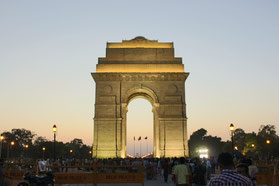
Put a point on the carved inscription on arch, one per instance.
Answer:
(140, 77)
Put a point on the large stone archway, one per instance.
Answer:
(140, 68)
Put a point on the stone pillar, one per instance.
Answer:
(156, 129)
(124, 131)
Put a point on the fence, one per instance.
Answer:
(268, 175)
(87, 174)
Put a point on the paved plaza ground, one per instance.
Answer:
(158, 182)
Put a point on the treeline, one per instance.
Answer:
(22, 143)
(263, 144)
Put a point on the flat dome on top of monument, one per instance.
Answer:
(140, 42)
(139, 38)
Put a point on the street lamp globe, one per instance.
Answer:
(231, 127)
(54, 128)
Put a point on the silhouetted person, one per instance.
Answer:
(1, 172)
(166, 168)
(181, 173)
(242, 168)
(199, 174)
(228, 176)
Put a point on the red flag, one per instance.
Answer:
(145, 137)
(139, 138)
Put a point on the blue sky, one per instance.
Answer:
(49, 48)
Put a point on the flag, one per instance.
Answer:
(134, 138)
(145, 137)
(139, 138)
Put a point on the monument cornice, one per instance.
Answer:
(181, 76)
(123, 61)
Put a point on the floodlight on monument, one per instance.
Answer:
(203, 153)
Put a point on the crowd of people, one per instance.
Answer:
(224, 170)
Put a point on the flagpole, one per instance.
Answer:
(147, 145)
(140, 148)
(134, 146)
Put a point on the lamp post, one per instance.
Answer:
(232, 132)
(1, 138)
(44, 149)
(54, 139)
(12, 144)
(268, 147)
(71, 152)
(26, 147)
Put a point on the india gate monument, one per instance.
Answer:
(140, 68)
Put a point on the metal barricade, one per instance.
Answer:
(96, 174)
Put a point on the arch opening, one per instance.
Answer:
(140, 124)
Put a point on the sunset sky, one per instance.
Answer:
(48, 50)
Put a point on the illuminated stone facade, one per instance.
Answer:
(146, 69)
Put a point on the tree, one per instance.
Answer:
(213, 144)
(239, 139)
(22, 138)
(267, 132)
(199, 140)
(251, 147)
(196, 141)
